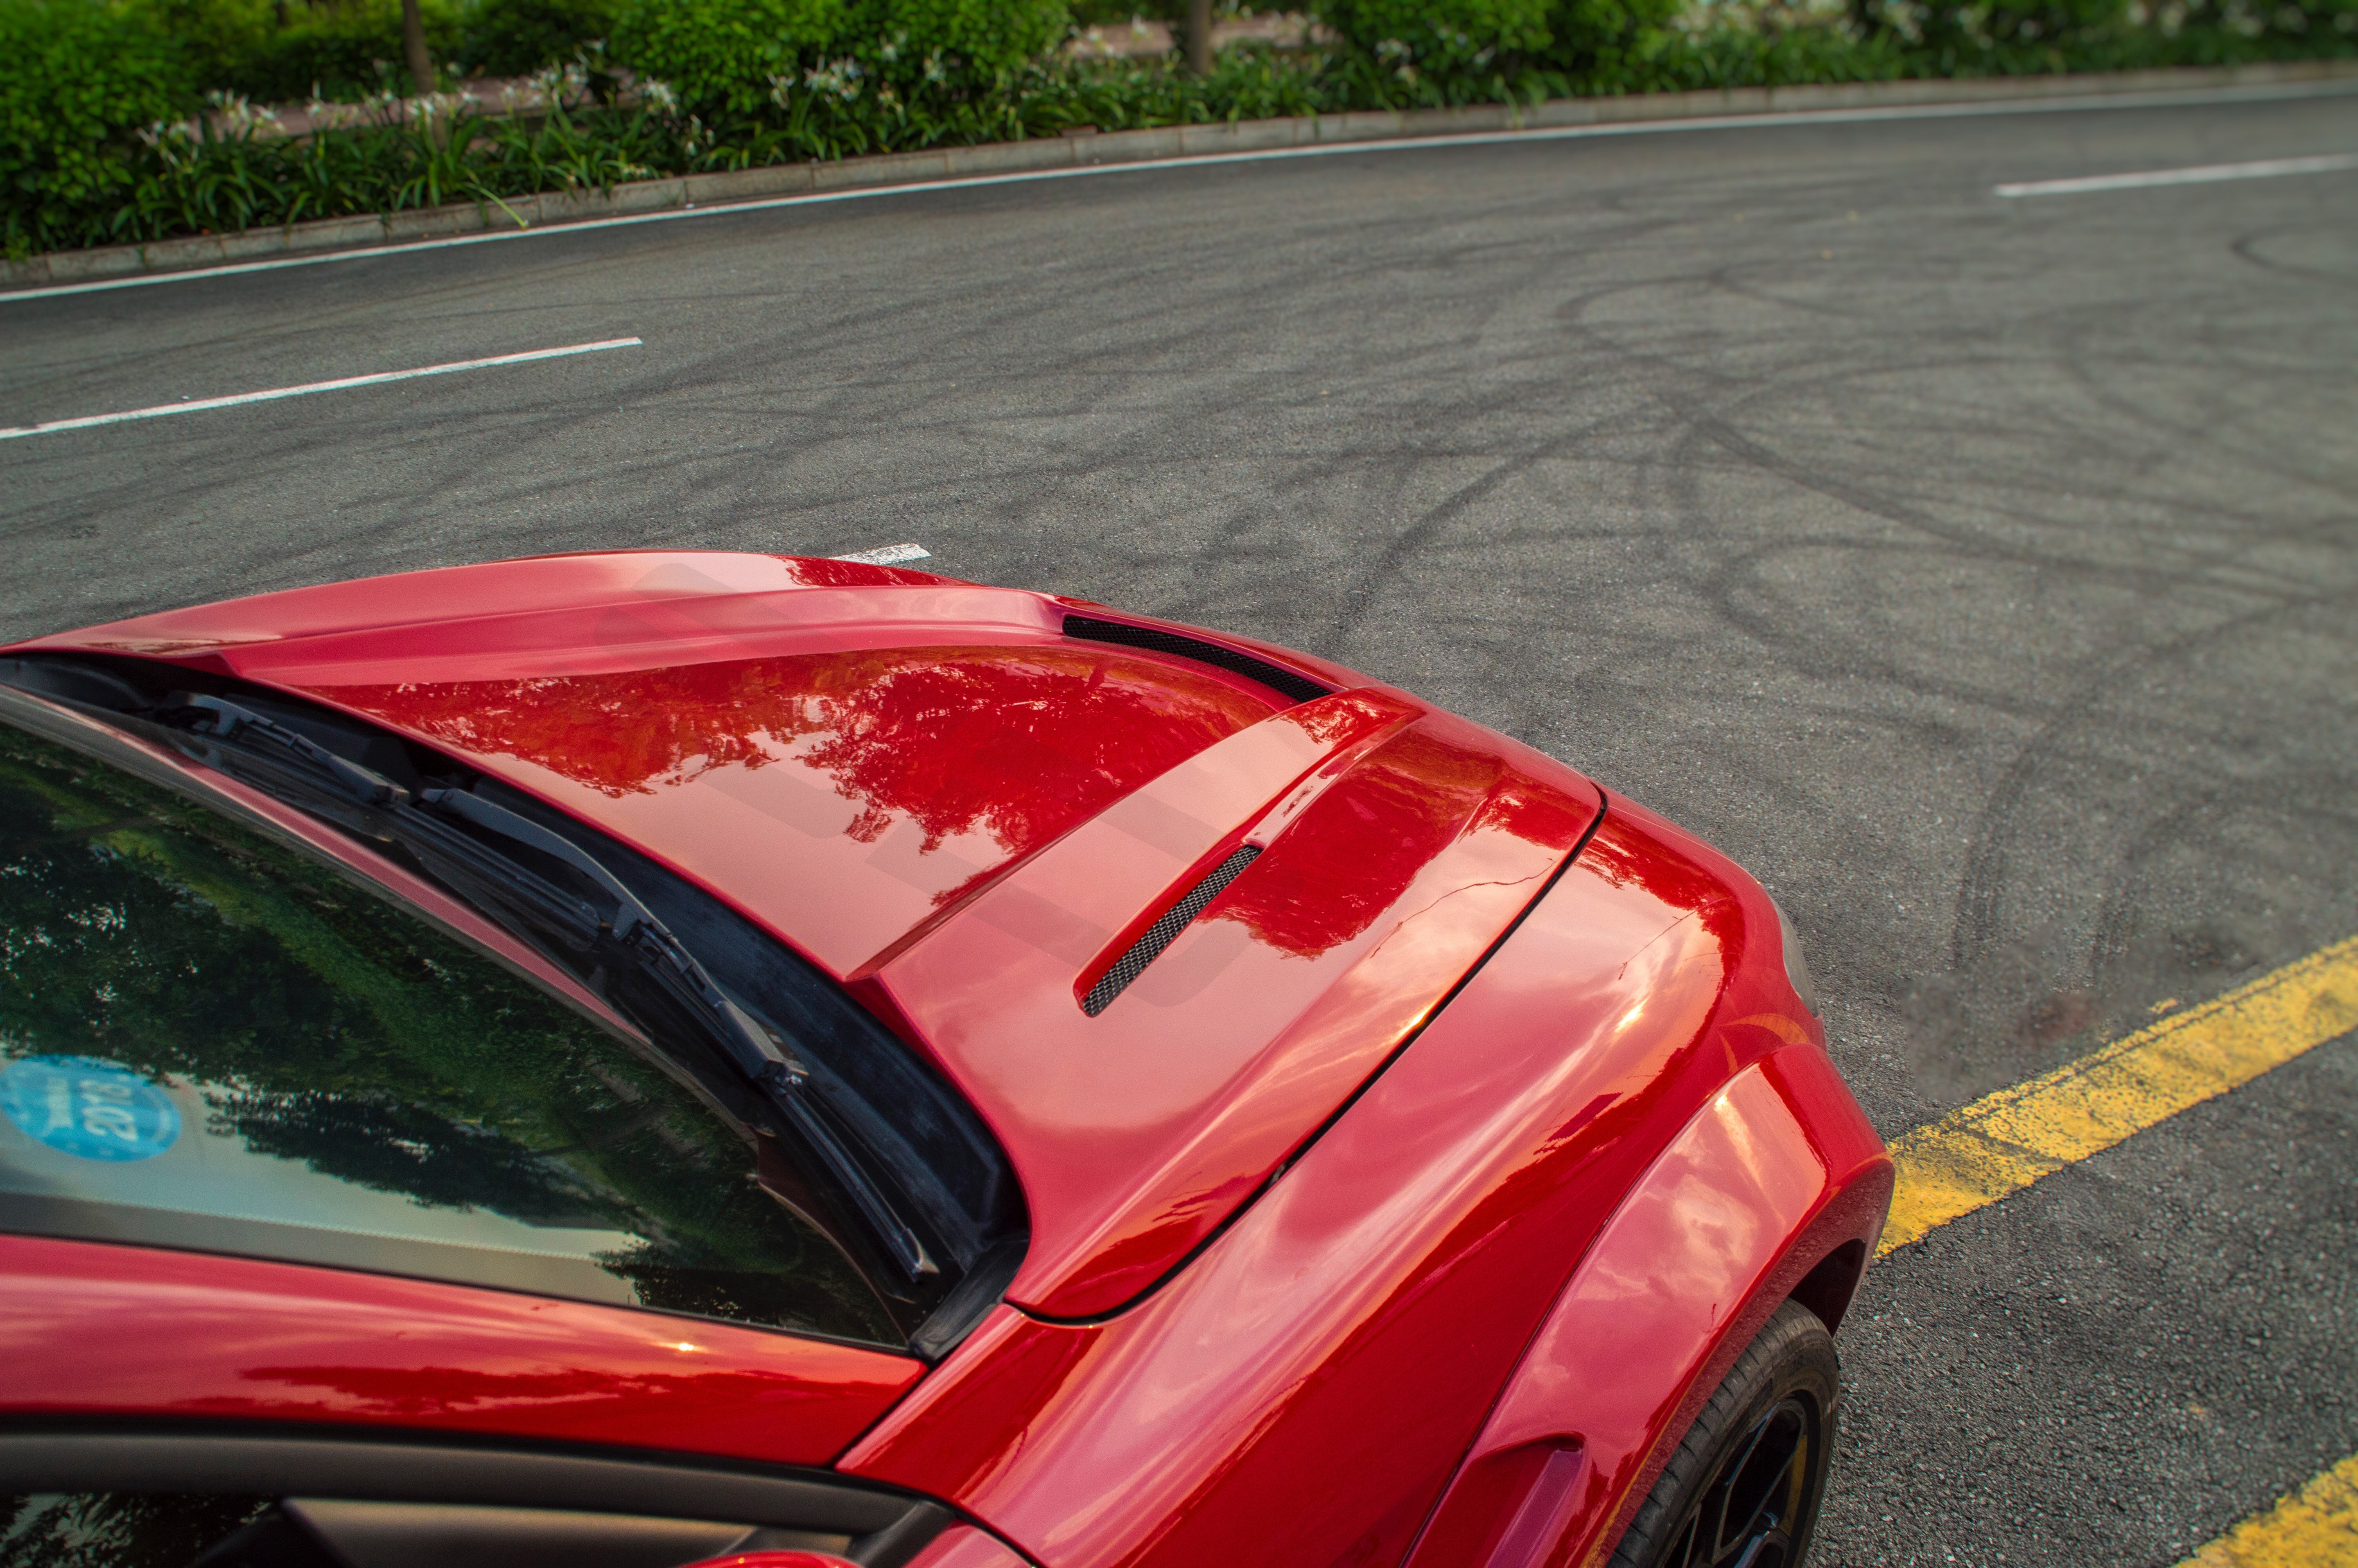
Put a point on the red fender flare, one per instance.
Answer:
(1775, 1189)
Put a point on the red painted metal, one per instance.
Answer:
(1358, 1320)
(1622, 1131)
(92, 1329)
(932, 791)
(1691, 1265)
(1137, 1132)
(776, 1560)
(843, 752)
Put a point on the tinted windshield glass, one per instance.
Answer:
(209, 1040)
(129, 1530)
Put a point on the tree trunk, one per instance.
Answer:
(413, 44)
(1199, 37)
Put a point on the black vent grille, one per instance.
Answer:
(1164, 932)
(1300, 688)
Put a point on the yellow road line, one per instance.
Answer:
(2317, 1526)
(2004, 1142)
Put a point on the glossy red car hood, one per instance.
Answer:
(933, 792)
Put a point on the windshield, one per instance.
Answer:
(211, 1038)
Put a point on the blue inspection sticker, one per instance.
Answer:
(80, 1105)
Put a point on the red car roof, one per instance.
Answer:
(931, 790)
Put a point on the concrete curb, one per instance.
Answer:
(699, 190)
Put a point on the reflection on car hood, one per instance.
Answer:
(933, 792)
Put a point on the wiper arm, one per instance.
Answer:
(627, 927)
(663, 958)
(238, 725)
(242, 743)
(635, 925)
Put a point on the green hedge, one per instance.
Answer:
(340, 47)
(86, 158)
(1450, 38)
(80, 82)
(737, 58)
(516, 38)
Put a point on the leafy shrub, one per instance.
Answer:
(1112, 13)
(218, 41)
(80, 81)
(195, 178)
(969, 41)
(1659, 60)
(752, 57)
(724, 57)
(342, 49)
(1589, 36)
(2016, 36)
(515, 37)
(1441, 38)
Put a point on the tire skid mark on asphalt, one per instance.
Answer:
(2005, 1141)
(2316, 1527)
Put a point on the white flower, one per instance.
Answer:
(840, 79)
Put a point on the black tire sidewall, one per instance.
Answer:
(1791, 1355)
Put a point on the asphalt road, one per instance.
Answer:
(1983, 573)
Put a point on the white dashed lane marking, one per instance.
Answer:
(52, 427)
(885, 555)
(2199, 174)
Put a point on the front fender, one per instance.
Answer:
(1777, 1188)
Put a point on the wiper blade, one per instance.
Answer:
(245, 744)
(238, 725)
(662, 958)
(635, 925)
(625, 929)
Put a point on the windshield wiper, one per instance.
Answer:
(624, 929)
(238, 725)
(248, 745)
(663, 958)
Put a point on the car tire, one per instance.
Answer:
(1743, 1489)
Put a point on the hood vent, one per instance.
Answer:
(1300, 688)
(1164, 932)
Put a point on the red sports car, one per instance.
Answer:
(617, 1061)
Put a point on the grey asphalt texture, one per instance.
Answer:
(1982, 573)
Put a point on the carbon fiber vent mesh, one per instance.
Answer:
(1300, 688)
(1164, 932)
